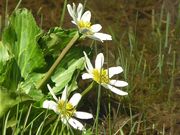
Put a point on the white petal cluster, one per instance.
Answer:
(82, 21)
(103, 76)
(66, 109)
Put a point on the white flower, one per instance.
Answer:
(82, 20)
(102, 76)
(67, 109)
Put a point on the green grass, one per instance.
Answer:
(150, 68)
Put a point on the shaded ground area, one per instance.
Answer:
(120, 17)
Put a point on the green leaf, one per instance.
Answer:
(4, 55)
(63, 77)
(67, 68)
(23, 44)
(4, 58)
(29, 86)
(9, 72)
(9, 99)
(55, 40)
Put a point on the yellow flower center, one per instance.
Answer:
(84, 25)
(66, 109)
(100, 76)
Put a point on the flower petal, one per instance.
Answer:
(52, 92)
(70, 10)
(86, 76)
(102, 36)
(118, 83)
(83, 115)
(75, 99)
(115, 90)
(114, 70)
(76, 124)
(86, 17)
(94, 38)
(79, 11)
(64, 93)
(74, 22)
(50, 105)
(99, 61)
(96, 27)
(88, 63)
(64, 120)
(74, 7)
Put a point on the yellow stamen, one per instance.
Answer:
(100, 76)
(83, 24)
(66, 109)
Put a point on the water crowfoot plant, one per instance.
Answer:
(103, 76)
(52, 59)
(67, 109)
(82, 21)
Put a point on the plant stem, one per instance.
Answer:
(6, 14)
(17, 6)
(5, 123)
(172, 78)
(55, 126)
(63, 13)
(87, 89)
(62, 54)
(109, 115)
(98, 109)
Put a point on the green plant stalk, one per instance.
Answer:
(62, 54)
(47, 131)
(88, 89)
(130, 111)
(40, 128)
(5, 123)
(109, 96)
(98, 105)
(167, 30)
(71, 131)
(144, 69)
(133, 128)
(41, 20)
(62, 129)
(19, 119)
(98, 108)
(161, 16)
(32, 121)
(172, 78)
(63, 13)
(109, 114)
(6, 14)
(17, 115)
(17, 6)
(31, 129)
(26, 119)
(124, 123)
(141, 58)
(0, 26)
(52, 133)
(153, 20)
